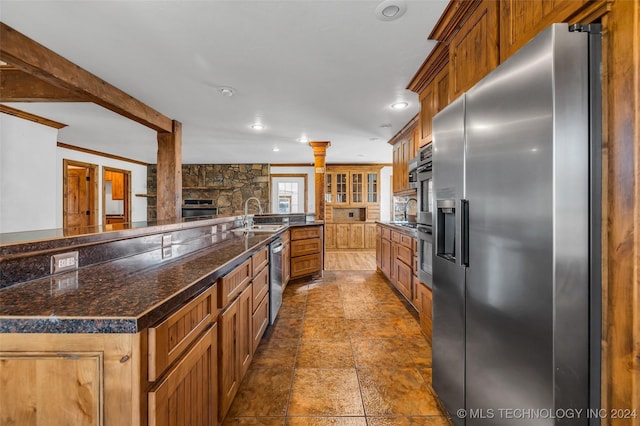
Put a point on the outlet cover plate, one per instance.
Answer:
(64, 262)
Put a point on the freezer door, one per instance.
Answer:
(448, 272)
(527, 188)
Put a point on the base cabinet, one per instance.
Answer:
(306, 250)
(188, 394)
(425, 311)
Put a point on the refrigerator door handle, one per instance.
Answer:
(464, 233)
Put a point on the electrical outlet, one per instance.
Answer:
(214, 239)
(64, 262)
(214, 229)
(167, 252)
(166, 240)
(224, 227)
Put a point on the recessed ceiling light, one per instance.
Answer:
(399, 105)
(276, 149)
(257, 126)
(390, 10)
(226, 91)
(303, 139)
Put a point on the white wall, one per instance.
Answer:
(138, 181)
(385, 193)
(311, 185)
(27, 175)
(31, 177)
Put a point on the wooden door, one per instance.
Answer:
(385, 257)
(426, 114)
(330, 236)
(343, 231)
(404, 277)
(229, 357)
(245, 331)
(370, 236)
(80, 203)
(356, 236)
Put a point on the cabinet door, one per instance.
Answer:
(286, 266)
(385, 259)
(372, 188)
(356, 235)
(370, 236)
(343, 231)
(426, 114)
(357, 187)
(229, 357)
(260, 322)
(330, 236)
(397, 159)
(187, 394)
(342, 188)
(474, 50)
(404, 278)
(329, 196)
(441, 83)
(425, 301)
(379, 252)
(245, 331)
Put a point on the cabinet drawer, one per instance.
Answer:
(305, 247)
(306, 232)
(260, 287)
(386, 233)
(172, 336)
(260, 321)
(260, 260)
(404, 254)
(305, 265)
(233, 283)
(197, 372)
(405, 240)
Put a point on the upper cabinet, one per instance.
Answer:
(405, 147)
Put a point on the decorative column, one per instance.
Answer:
(319, 155)
(169, 185)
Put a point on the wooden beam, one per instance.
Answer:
(319, 158)
(31, 117)
(18, 86)
(35, 59)
(169, 177)
(100, 153)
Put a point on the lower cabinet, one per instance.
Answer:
(236, 347)
(404, 278)
(306, 250)
(186, 393)
(425, 310)
(286, 259)
(260, 321)
(343, 236)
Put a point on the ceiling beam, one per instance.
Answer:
(18, 86)
(31, 117)
(35, 59)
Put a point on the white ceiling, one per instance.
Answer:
(325, 69)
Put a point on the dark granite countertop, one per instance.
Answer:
(403, 227)
(122, 296)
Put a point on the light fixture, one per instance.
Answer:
(276, 149)
(257, 126)
(226, 91)
(303, 139)
(399, 105)
(390, 10)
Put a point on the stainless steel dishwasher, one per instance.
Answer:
(275, 274)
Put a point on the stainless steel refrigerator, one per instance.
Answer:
(516, 254)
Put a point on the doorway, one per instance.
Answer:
(116, 197)
(289, 193)
(79, 199)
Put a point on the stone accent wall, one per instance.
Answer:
(228, 185)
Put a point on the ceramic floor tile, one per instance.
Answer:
(325, 328)
(381, 353)
(276, 353)
(426, 375)
(286, 328)
(374, 328)
(254, 421)
(324, 310)
(420, 351)
(315, 353)
(330, 392)
(407, 327)
(396, 391)
(326, 421)
(408, 421)
(288, 310)
(263, 392)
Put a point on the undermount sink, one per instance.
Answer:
(260, 228)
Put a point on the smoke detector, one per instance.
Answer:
(226, 91)
(390, 10)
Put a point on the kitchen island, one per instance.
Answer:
(134, 339)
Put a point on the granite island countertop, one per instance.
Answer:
(121, 296)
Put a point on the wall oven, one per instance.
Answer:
(425, 186)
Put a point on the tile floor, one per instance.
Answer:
(345, 350)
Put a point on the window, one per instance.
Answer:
(289, 193)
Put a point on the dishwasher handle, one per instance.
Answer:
(277, 248)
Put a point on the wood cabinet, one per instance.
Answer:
(352, 185)
(306, 250)
(370, 236)
(330, 236)
(396, 258)
(425, 309)
(427, 111)
(383, 250)
(286, 259)
(117, 184)
(404, 278)
(405, 146)
(188, 393)
(474, 50)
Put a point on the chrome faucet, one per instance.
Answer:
(406, 208)
(246, 212)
